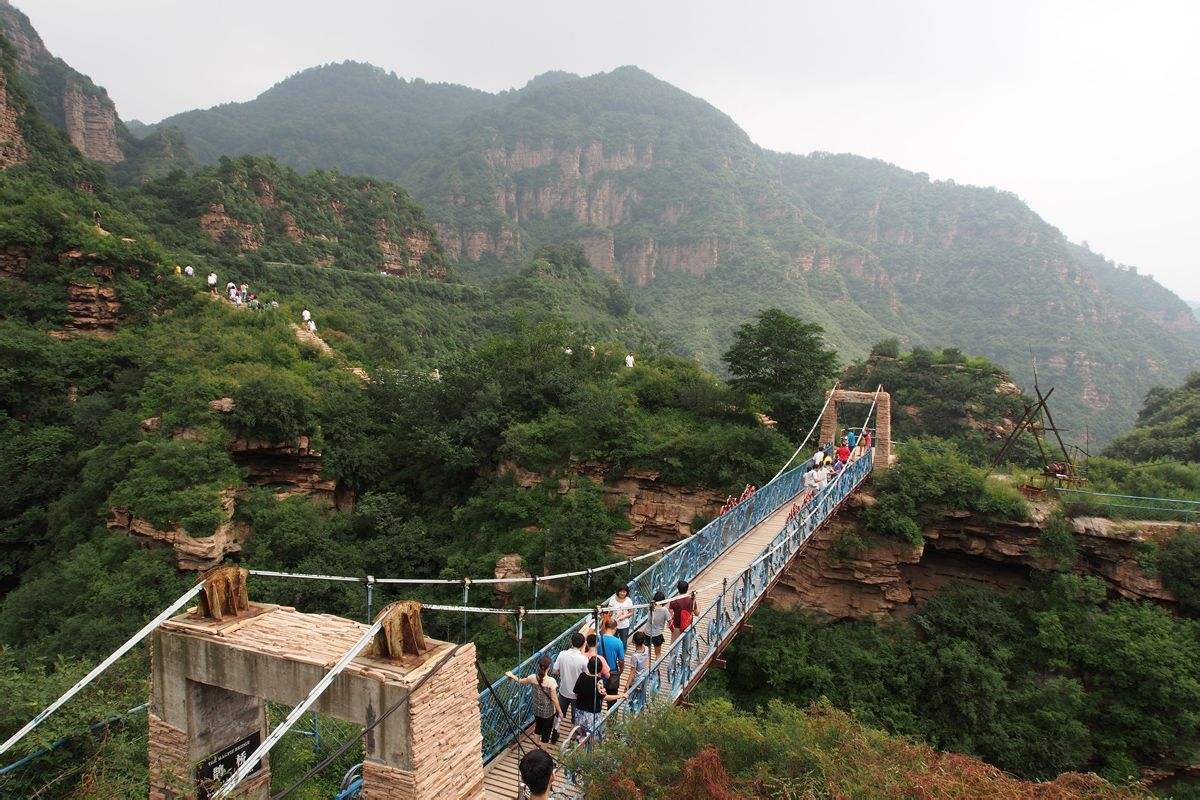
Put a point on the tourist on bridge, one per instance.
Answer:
(546, 707)
(568, 667)
(592, 650)
(612, 650)
(656, 625)
(622, 612)
(682, 608)
(590, 694)
(843, 452)
(812, 479)
(639, 665)
(537, 773)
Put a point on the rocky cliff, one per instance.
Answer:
(191, 553)
(63, 96)
(12, 142)
(659, 513)
(837, 581)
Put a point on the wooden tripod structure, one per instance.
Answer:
(1039, 421)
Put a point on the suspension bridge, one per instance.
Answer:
(213, 667)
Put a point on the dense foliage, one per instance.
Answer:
(715, 752)
(1036, 681)
(947, 394)
(1168, 426)
(783, 361)
(933, 476)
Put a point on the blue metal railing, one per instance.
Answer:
(507, 700)
(686, 658)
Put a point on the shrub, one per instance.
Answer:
(1179, 566)
(278, 408)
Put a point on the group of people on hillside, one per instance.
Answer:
(239, 295)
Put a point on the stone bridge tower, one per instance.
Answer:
(882, 421)
(213, 667)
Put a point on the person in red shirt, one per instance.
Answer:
(682, 608)
(843, 452)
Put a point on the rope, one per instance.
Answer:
(808, 436)
(103, 665)
(266, 573)
(346, 745)
(1129, 496)
(252, 762)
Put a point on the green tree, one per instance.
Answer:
(783, 360)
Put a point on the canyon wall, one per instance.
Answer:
(835, 581)
(12, 143)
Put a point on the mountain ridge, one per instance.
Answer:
(665, 192)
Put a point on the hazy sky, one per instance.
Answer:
(1088, 110)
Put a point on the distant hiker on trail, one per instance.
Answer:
(546, 708)
(537, 773)
(568, 667)
(682, 608)
(629, 360)
(590, 694)
(178, 270)
(312, 326)
(622, 606)
(212, 283)
(656, 625)
(305, 315)
(189, 271)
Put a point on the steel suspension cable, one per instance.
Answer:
(816, 422)
(103, 665)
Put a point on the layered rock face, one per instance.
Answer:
(659, 513)
(12, 143)
(91, 122)
(290, 468)
(221, 227)
(191, 553)
(64, 96)
(893, 577)
(93, 308)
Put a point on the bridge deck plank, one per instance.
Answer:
(501, 778)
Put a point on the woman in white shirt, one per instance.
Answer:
(622, 608)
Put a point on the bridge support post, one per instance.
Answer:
(830, 434)
(211, 675)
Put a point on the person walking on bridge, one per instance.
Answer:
(568, 667)
(656, 625)
(622, 612)
(590, 694)
(546, 707)
(537, 773)
(682, 608)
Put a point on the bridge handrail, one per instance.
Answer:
(682, 563)
(687, 654)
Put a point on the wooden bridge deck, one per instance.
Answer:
(501, 778)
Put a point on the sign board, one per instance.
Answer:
(216, 769)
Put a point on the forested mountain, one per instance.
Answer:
(1167, 427)
(70, 101)
(669, 194)
(350, 116)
